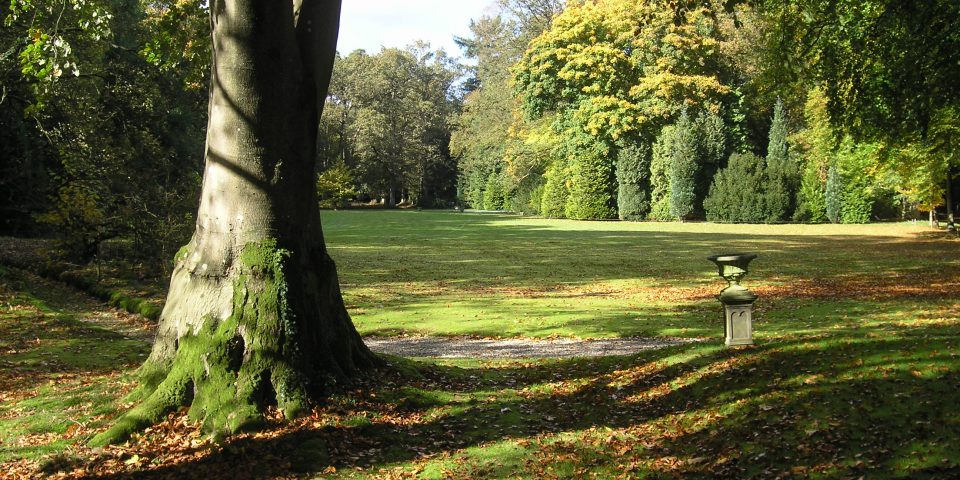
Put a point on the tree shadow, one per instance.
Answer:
(43, 336)
(838, 406)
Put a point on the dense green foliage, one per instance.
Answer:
(335, 186)
(891, 72)
(683, 167)
(816, 143)
(781, 170)
(554, 199)
(712, 151)
(102, 114)
(487, 136)
(615, 72)
(387, 118)
(737, 193)
(98, 143)
(659, 175)
(633, 182)
(493, 193)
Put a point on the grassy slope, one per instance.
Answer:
(856, 371)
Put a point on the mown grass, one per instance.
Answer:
(460, 274)
(60, 374)
(856, 371)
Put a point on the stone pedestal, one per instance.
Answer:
(737, 301)
(738, 328)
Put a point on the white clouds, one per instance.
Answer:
(372, 24)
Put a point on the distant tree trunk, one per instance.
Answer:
(951, 226)
(254, 315)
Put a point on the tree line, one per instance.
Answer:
(816, 111)
(103, 117)
(727, 111)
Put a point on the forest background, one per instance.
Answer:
(817, 111)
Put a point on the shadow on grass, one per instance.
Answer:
(837, 406)
(831, 397)
(512, 317)
(41, 337)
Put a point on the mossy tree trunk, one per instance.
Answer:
(254, 314)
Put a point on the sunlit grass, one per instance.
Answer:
(461, 274)
(856, 371)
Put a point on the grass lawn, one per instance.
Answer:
(856, 372)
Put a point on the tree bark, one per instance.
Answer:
(254, 315)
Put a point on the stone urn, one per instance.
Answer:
(736, 299)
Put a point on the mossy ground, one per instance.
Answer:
(61, 374)
(856, 372)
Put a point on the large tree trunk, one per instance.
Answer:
(254, 315)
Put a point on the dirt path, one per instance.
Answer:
(460, 347)
(61, 297)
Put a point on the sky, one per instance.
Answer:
(372, 24)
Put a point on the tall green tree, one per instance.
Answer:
(488, 135)
(481, 137)
(107, 144)
(554, 199)
(591, 179)
(618, 71)
(816, 143)
(738, 192)
(683, 168)
(713, 148)
(781, 170)
(389, 120)
(834, 194)
(254, 314)
(660, 174)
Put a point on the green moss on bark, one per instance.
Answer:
(230, 369)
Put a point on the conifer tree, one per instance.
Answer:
(834, 194)
(683, 168)
(554, 197)
(493, 193)
(712, 150)
(660, 175)
(633, 179)
(782, 173)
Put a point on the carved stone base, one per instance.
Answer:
(739, 325)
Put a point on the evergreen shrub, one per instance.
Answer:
(493, 193)
(737, 193)
(833, 196)
(659, 175)
(591, 194)
(554, 200)
(683, 168)
(633, 182)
